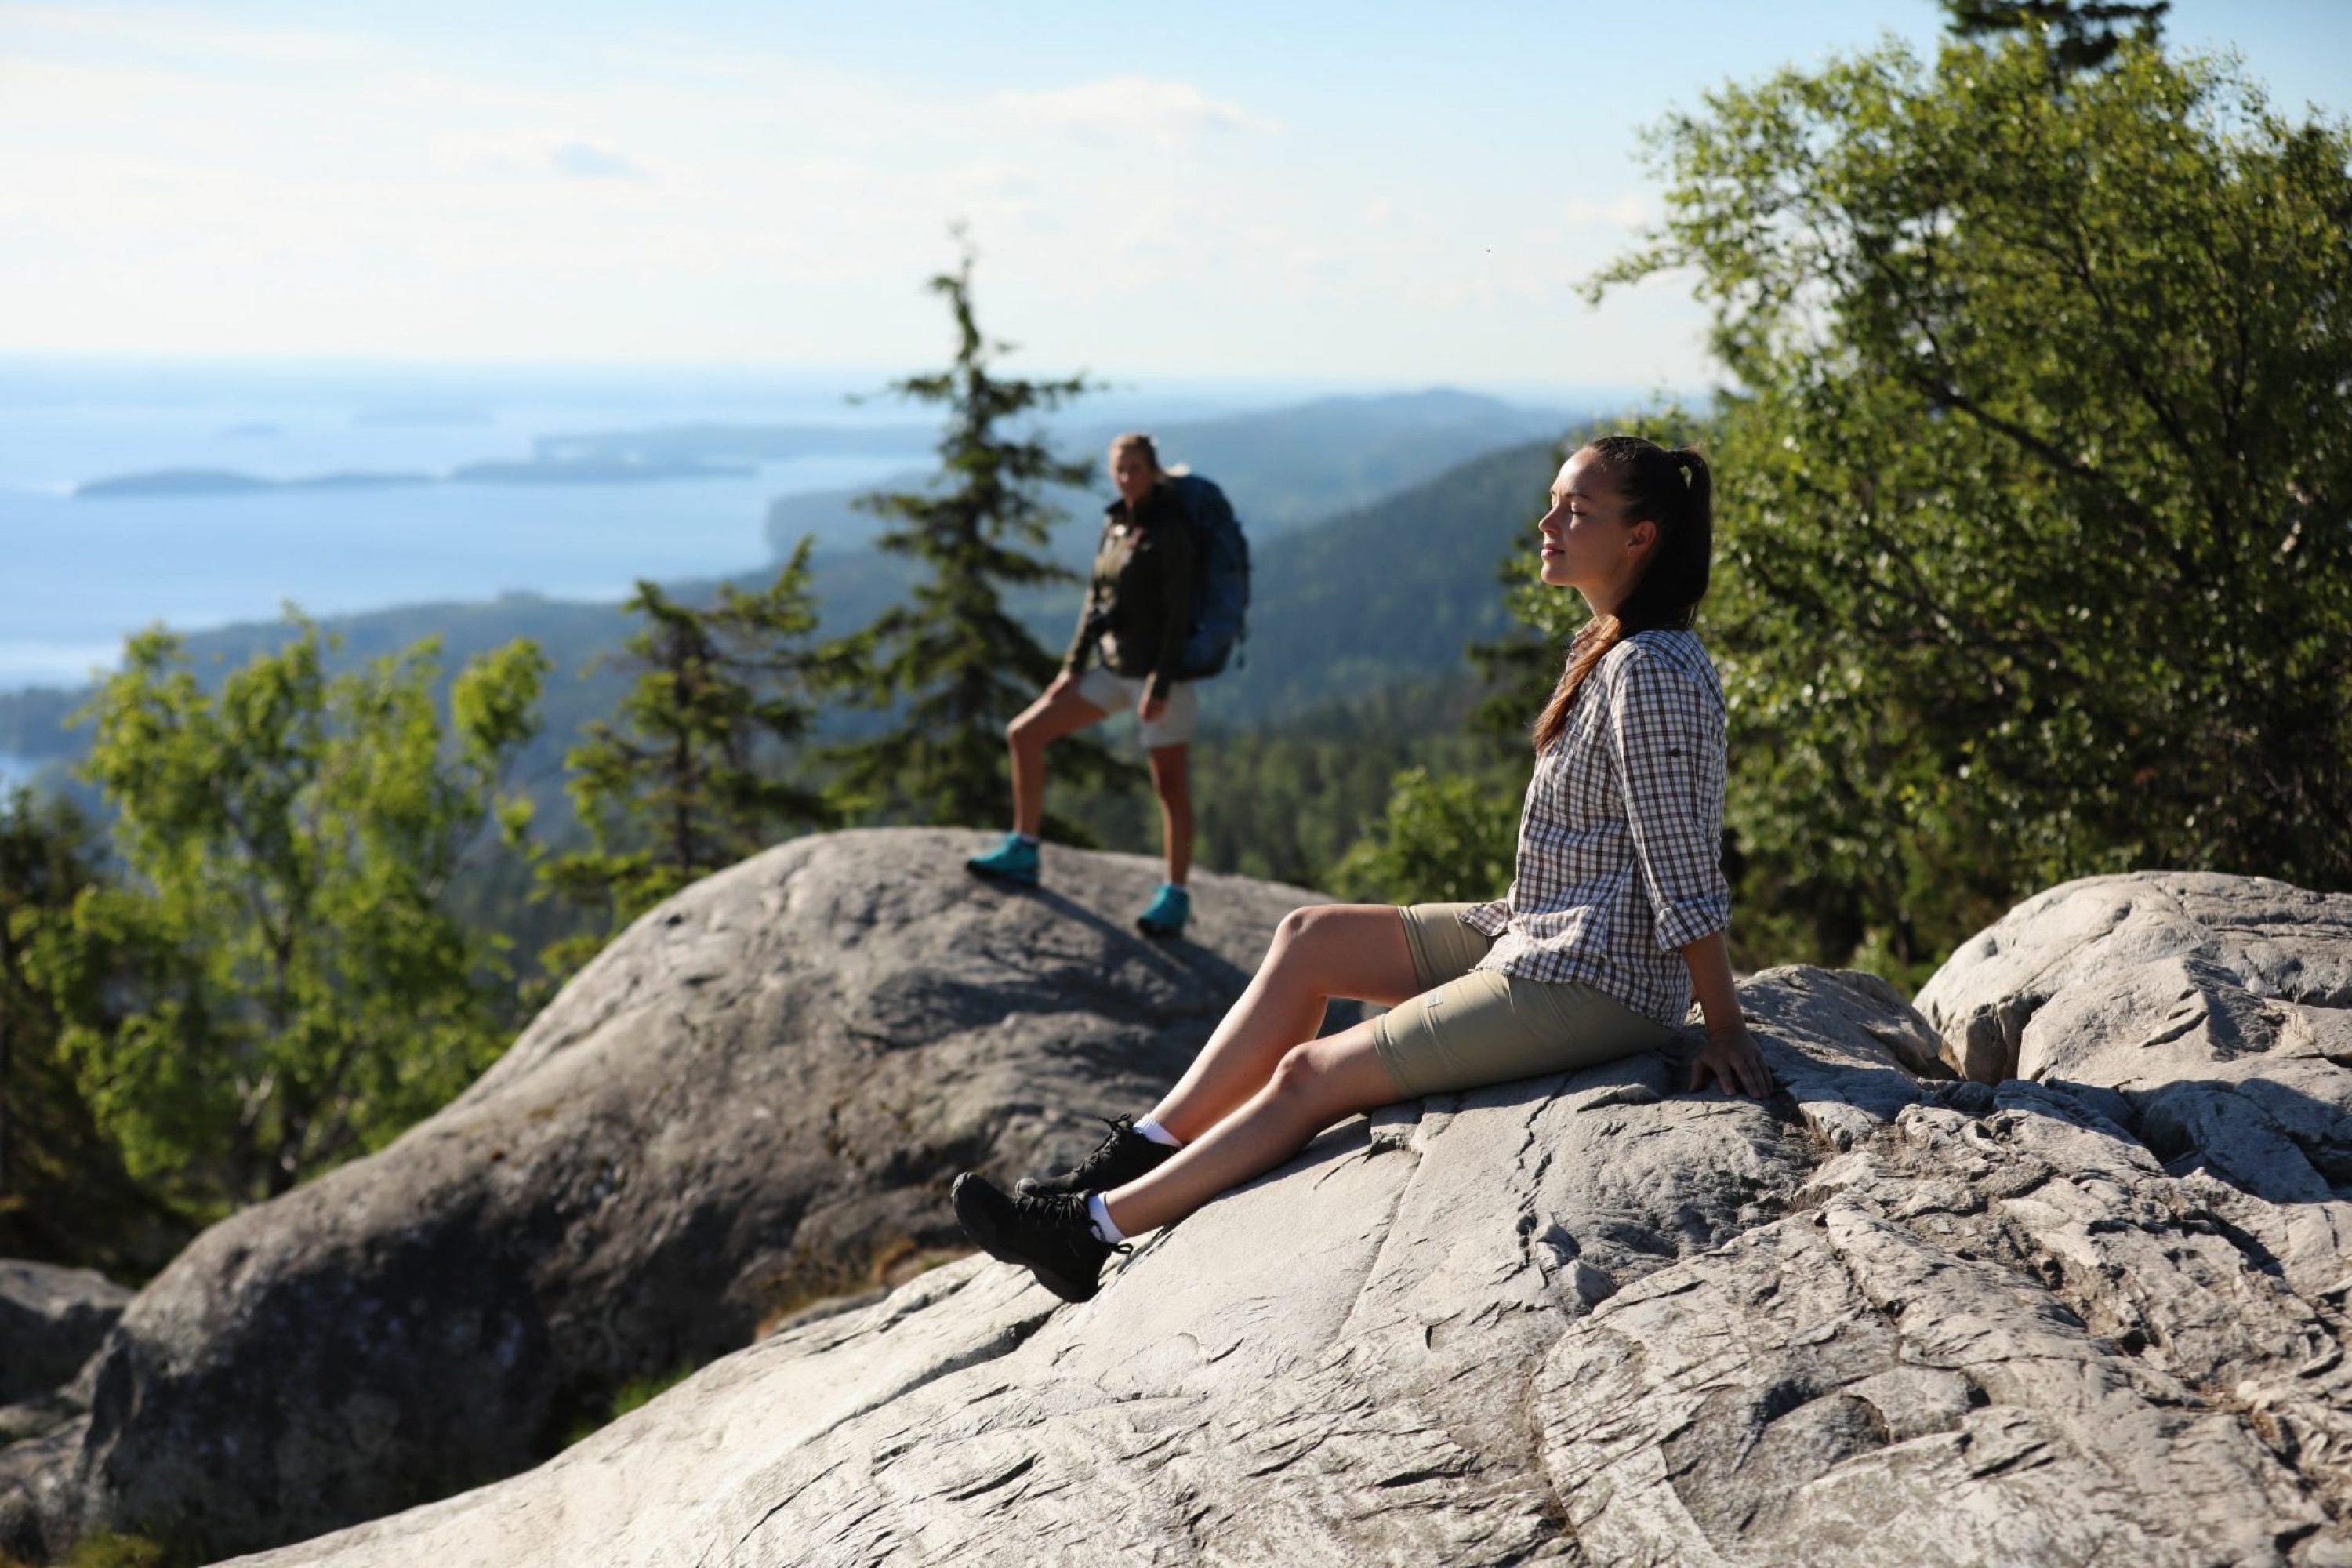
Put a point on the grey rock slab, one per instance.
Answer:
(1864, 1048)
(1836, 1388)
(1334, 1365)
(1880, 1318)
(37, 1495)
(753, 1099)
(2277, 940)
(51, 1321)
(666, 1483)
(2216, 1010)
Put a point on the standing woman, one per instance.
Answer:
(1616, 917)
(1138, 611)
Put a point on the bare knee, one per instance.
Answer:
(1298, 1078)
(1301, 929)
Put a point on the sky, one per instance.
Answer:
(1372, 193)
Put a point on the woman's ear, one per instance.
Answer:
(1642, 535)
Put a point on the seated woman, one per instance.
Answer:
(1616, 916)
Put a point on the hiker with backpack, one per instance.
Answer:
(1162, 612)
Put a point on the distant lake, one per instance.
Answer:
(75, 575)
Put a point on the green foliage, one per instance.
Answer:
(1444, 840)
(2033, 503)
(634, 1395)
(109, 1549)
(64, 1194)
(684, 785)
(1334, 617)
(297, 991)
(2080, 35)
(1285, 802)
(952, 666)
(640, 1392)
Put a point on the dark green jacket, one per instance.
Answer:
(1141, 596)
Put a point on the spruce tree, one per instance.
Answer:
(952, 666)
(689, 780)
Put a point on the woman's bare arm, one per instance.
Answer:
(1731, 1057)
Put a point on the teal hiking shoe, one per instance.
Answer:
(1014, 861)
(1170, 908)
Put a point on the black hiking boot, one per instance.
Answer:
(1050, 1236)
(1117, 1161)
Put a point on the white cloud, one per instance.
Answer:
(1632, 210)
(563, 154)
(590, 160)
(173, 32)
(679, 202)
(992, 177)
(1169, 113)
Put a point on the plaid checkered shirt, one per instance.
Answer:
(1620, 838)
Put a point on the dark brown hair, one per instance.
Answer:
(1673, 490)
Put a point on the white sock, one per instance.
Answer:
(1180, 887)
(1161, 1135)
(1028, 839)
(1098, 1212)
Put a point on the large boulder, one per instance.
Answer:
(1886, 1317)
(754, 1100)
(51, 1321)
(2262, 943)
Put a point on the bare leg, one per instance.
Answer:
(1312, 1086)
(1330, 950)
(1172, 782)
(1059, 712)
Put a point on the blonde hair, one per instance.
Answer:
(1136, 441)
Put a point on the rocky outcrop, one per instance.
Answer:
(2188, 942)
(1884, 1318)
(754, 1099)
(51, 1320)
(2212, 1017)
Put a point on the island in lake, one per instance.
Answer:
(572, 470)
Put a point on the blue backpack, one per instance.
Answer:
(1221, 578)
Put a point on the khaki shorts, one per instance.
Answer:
(1115, 693)
(1470, 1028)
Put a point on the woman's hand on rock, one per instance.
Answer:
(1731, 1059)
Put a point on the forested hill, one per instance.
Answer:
(1285, 468)
(1393, 591)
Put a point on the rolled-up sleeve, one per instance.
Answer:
(1667, 732)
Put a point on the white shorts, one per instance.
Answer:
(1115, 693)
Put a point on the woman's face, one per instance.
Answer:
(1132, 471)
(1587, 543)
